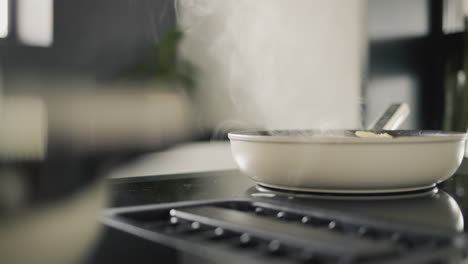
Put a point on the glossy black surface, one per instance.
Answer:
(440, 208)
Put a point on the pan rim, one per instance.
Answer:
(408, 136)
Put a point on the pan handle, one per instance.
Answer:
(392, 118)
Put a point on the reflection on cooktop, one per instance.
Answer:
(265, 191)
(432, 208)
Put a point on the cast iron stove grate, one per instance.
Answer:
(263, 232)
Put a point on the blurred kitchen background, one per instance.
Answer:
(119, 88)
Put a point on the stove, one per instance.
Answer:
(224, 217)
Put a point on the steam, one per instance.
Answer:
(277, 64)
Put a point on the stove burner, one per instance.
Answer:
(262, 232)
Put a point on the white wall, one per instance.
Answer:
(277, 63)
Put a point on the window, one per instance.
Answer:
(4, 18)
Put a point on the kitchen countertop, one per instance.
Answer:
(182, 158)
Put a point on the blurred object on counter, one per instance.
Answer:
(57, 143)
(54, 147)
(121, 120)
(68, 115)
(23, 128)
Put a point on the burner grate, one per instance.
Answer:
(261, 232)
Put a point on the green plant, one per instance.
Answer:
(163, 63)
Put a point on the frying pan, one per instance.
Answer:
(341, 161)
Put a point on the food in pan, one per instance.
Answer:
(369, 134)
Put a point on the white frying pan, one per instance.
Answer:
(348, 161)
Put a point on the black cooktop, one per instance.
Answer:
(225, 217)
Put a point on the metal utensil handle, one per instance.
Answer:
(392, 118)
